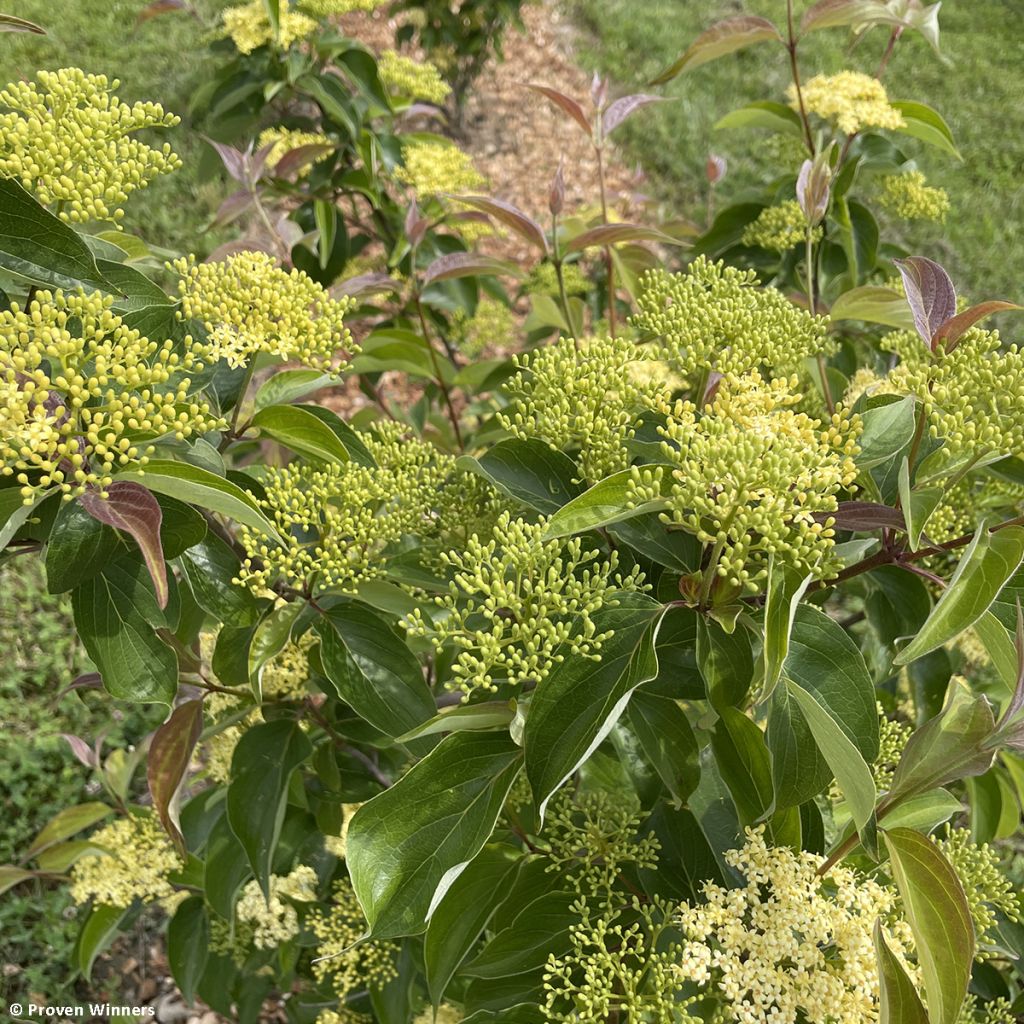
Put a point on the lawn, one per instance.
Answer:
(161, 59)
(978, 93)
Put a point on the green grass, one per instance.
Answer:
(163, 60)
(979, 94)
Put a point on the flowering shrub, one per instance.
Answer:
(665, 671)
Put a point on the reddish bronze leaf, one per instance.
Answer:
(169, 754)
(950, 333)
(930, 293)
(566, 104)
(511, 216)
(723, 37)
(624, 108)
(466, 264)
(611, 234)
(130, 507)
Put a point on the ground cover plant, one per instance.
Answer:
(668, 667)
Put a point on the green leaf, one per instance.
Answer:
(209, 567)
(530, 471)
(579, 702)
(200, 487)
(188, 939)
(949, 746)
(170, 752)
(888, 428)
(270, 639)
(776, 117)
(898, 1001)
(113, 616)
(261, 768)
(824, 661)
(301, 431)
(9, 23)
(288, 385)
(918, 506)
(940, 918)
(463, 914)
(874, 305)
(601, 505)
(78, 548)
(357, 450)
(406, 351)
(407, 846)
(490, 715)
(845, 761)
(989, 561)
(97, 933)
(667, 740)
(68, 822)
(10, 876)
(744, 763)
(14, 513)
(40, 247)
(372, 670)
(785, 589)
(726, 663)
(722, 38)
(927, 125)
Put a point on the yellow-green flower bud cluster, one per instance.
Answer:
(995, 1011)
(70, 141)
(491, 327)
(621, 966)
(908, 197)
(987, 889)
(780, 228)
(753, 477)
(590, 838)
(249, 28)
(412, 78)
(787, 946)
(892, 738)
(325, 8)
(337, 521)
(284, 140)
(138, 859)
(274, 920)
(851, 100)
(973, 396)
(249, 304)
(866, 383)
(81, 393)
(516, 598)
(349, 967)
(543, 280)
(343, 1015)
(582, 397)
(337, 845)
(446, 1014)
(714, 317)
(433, 168)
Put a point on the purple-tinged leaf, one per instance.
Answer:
(233, 207)
(863, 516)
(9, 23)
(258, 160)
(722, 38)
(169, 754)
(837, 13)
(612, 234)
(415, 224)
(372, 283)
(624, 108)
(81, 750)
(86, 681)
(566, 104)
(466, 264)
(236, 162)
(598, 91)
(716, 168)
(302, 156)
(133, 509)
(950, 333)
(511, 216)
(556, 195)
(930, 293)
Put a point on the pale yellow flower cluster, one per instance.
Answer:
(755, 478)
(82, 394)
(274, 920)
(342, 960)
(416, 79)
(433, 168)
(787, 946)
(325, 8)
(284, 140)
(908, 197)
(337, 845)
(516, 597)
(248, 304)
(249, 28)
(780, 228)
(582, 397)
(446, 1014)
(851, 100)
(70, 141)
(138, 860)
(865, 382)
(339, 520)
